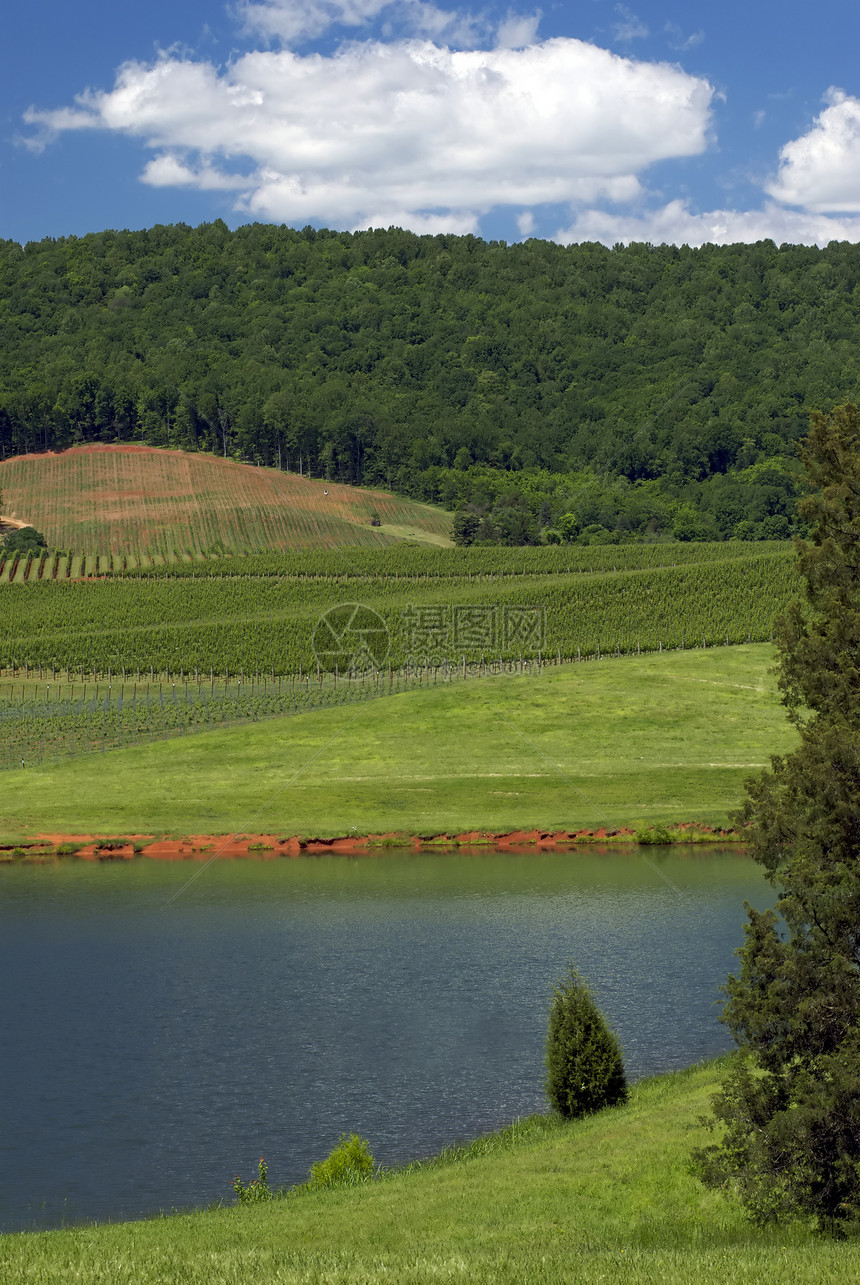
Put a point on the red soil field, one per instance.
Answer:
(131, 498)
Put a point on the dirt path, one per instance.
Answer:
(422, 537)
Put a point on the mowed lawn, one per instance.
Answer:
(620, 742)
(609, 1198)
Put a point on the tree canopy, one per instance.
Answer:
(616, 385)
(23, 540)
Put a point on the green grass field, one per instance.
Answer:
(608, 1198)
(618, 742)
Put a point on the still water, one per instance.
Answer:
(155, 1046)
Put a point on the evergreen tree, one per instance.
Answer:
(465, 525)
(585, 1070)
(790, 1102)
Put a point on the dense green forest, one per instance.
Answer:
(549, 392)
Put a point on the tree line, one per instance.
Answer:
(597, 395)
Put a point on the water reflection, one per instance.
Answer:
(154, 1050)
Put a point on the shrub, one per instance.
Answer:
(585, 1070)
(24, 540)
(256, 1190)
(655, 834)
(350, 1161)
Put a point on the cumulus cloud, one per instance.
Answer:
(675, 224)
(406, 132)
(821, 170)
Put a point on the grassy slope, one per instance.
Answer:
(604, 1199)
(122, 500)
(635, 740)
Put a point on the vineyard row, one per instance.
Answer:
(398, 562)
(38, 727)
(269, 626)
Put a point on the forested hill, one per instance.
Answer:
(637, 390)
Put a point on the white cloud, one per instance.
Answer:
(821, 170)
(526, 223)
(405, 132)
(629, 26)
(50, 124)
(168, 170)
(295, 21)
(518, 30)
(675, 224)
(677, 39)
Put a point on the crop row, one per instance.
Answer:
(398, 562)
(33, 731)
(409, 561)
(52, 565)
(281, 626)
(36, 727)
(160, 501)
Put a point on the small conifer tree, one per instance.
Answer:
(585, 1069)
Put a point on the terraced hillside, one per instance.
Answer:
(144, 502)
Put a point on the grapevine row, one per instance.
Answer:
(399, 561)
(267, 624)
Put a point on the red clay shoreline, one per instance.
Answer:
(203, 847)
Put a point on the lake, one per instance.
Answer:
(156, 1044)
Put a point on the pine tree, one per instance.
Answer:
(790, 1103)
(585, 1070)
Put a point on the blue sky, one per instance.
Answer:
(577, 121)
